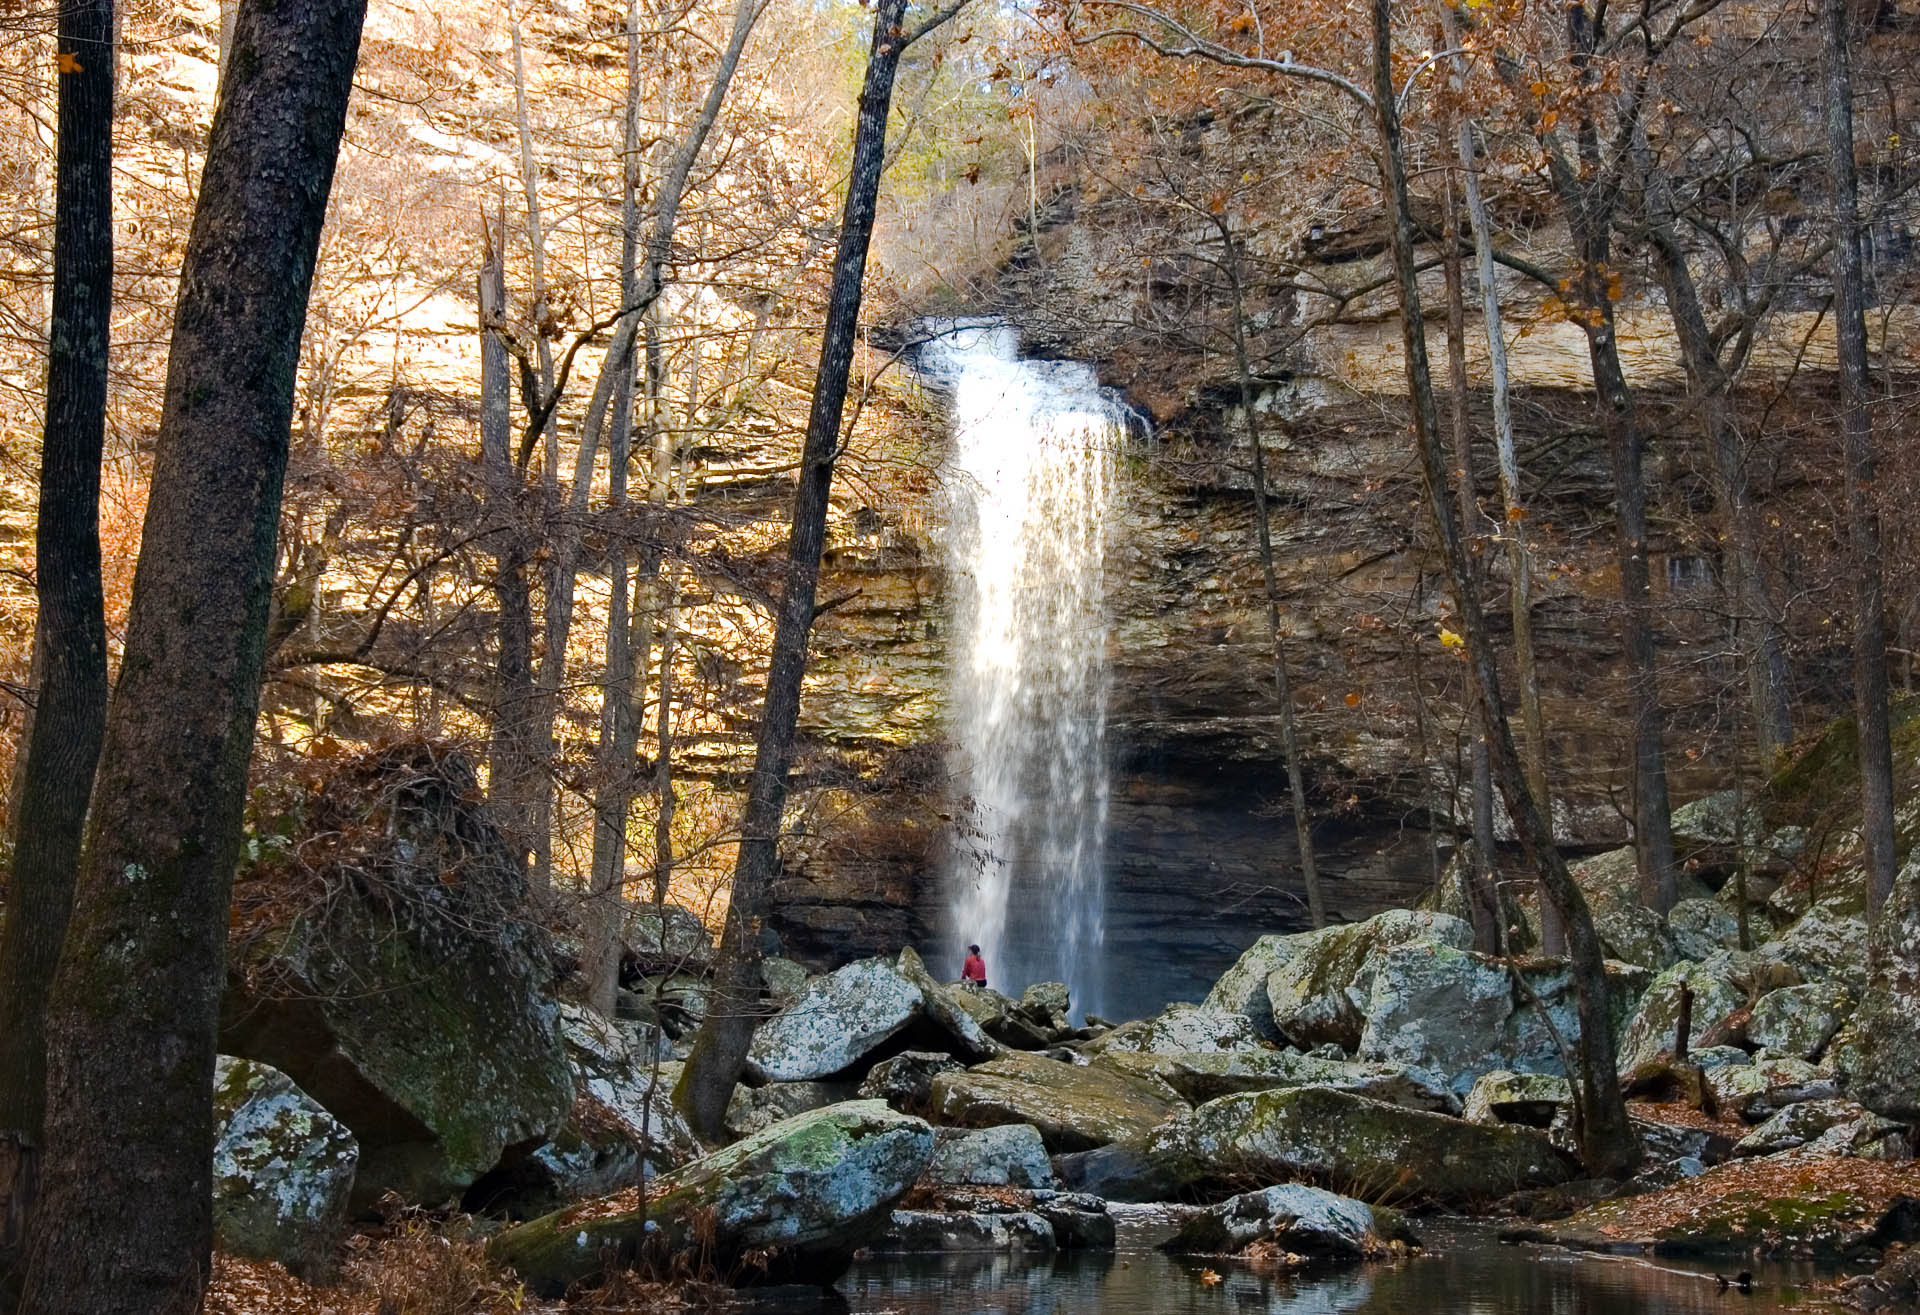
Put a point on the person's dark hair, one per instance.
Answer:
(973, 949)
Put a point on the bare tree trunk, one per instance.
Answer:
(1263, 521)
(125, 1223)
(663, 751)
(1608, 1144)
(720, 1050)
(1856, 425)
(62, 740)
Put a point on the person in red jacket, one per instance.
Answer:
(974, 971)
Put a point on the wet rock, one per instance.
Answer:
(1206, 1075)
(1894, 1286)
(754, 1108)
(1796, 1022)
(906, 1081)
(1179, 1028)
(1755, 1091)
(1701, 928)
(1882, 1064)
(809, 1190)
(1080, 1222)
(1535, 1100)
(843, 1018)
(1298, 1220)
(1011, 1155)
(1796, 1125)
(1331, 1136)
(921, 1231)
(283, 1170)
(1309, 994)
(1242, 989)
(1075, 1107)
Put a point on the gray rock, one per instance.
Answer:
(754, 1108)
(1437, 1008)
(1303, 1221)
(1075, 1107)
(1536, 1100)
(1796, 1125)
(1701, 927)
(1177, 1029)
(1309, 994)
(1717, 820)
(1207, 1075)
(1826, 943)
(810, 1190)
(1869, 1137)
(1798, 1021)
(925, 1231)
(1046, 1006)
(668, 940)
(783, 978)
(1755, 1091)
(1717, 1056)
(1242, 989)
(1080, 1222)
(283, 1170)
(1011, 1155)
(1123, 1171)
(1719, 990)
(838, 1020)
(1882, 1063)
(1634, 933)
(906, 1081)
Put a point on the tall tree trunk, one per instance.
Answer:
(1478, 874)
(720, 1050)
(1608, 1144)
(70, 708)
(1856, 425)
(125, 1222)
(1263, 523)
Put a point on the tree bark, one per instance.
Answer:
(1856, 427)
(62, 740)
(125, 1223)
(719, 1052)
(1608, 1145)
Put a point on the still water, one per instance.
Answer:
(1462, 1271)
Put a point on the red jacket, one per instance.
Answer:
(975, 969)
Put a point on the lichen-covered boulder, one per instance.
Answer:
(1075, 1107)
(1755, 1091)
(1201, 1076)
(839, 1020)
(1634, 933)
(808, 1191)
(753, 1108)
(1536, 1100)
(1700, 928)
(912, 1232)
(1796, 1022)
(782, 979)
(410, 997)
(1011, 1155)
(1242, 989)
(1882, 1063)
(1298, 1220)
(1826, 943)
(1796, 1125)
(1719, 988)
(1331, 1136)
(1436, 1008)
(1046, 1005)
(1310, 994)
(906, 1080)
(1178, 1029)
(283, 1170)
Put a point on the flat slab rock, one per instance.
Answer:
(1074, 1107)
(1795, 1204)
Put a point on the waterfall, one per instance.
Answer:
(1029, 480)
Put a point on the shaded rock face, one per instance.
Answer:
(1883, 1064)
(906, 1081)
(925, 1231)
(811, 1189)
(1011, 1155)
(461, 1067)
(283, 1170)
(1299, 1220)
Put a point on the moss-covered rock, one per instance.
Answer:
(809, 1190)
(1309, 994)
(1353, 1144)
(1075, 1107)
(1535, 1100)
(1797, 1021)
(1827, 942)
(1201, 1076)
(283, 1170)
(1721, 986)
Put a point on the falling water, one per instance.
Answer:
(1029, 481)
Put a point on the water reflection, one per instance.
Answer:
(1463, 1272)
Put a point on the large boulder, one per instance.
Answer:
(283, 1170)
(1634, 933)
(1011, 1155)
(1536, 1100)
(1826, 943)
(1075, 1107)
(1755, 1091)
(1242, 989)
(844, 1018)
(1721, 986)
(1361, 1145)
(1796, 1125)
(1179, 1029)
(807, 1191)
(753, 1108)
(1201, 1076)
(401, 984)
(1298, 1220)
(1797, 1021)
(1310, 993)
(1701, 928)
(666, 940)
(1883, 1062)
(906, 1080)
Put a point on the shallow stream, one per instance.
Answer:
(1462, 1270)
